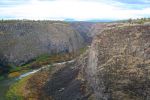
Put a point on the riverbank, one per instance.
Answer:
(21, 81)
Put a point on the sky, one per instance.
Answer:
(80, 10)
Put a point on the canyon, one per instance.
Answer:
(114, 65)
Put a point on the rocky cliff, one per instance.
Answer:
(21, 41)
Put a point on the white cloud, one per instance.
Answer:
(76, 9)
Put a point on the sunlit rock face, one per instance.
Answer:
(91, 72)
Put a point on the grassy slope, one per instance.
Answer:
(124, 63)
(16, 91)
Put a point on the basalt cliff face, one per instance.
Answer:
(21, 41)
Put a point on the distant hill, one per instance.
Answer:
(90, 20)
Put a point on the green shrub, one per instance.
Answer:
(2, 77)
(14, 74)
